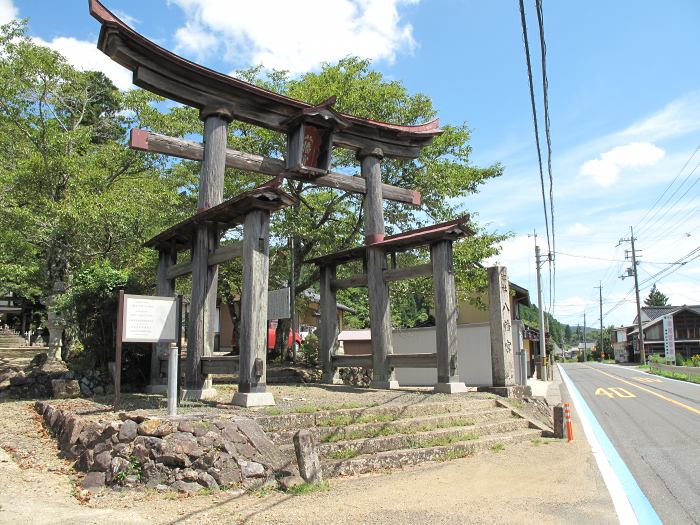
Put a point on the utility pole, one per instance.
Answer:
(585, 340)
(633, 272)
(600, 295)
(542, 365)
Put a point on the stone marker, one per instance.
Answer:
(307, 457)
(559, 431)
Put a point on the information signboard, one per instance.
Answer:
(278, 304)
(149, 319)
(669, 339)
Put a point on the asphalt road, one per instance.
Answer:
(654, 423)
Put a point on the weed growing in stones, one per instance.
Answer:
(306, 488)
(498, 447)
(440, 441)
(454, 454)
(273, 411)
(343, 453)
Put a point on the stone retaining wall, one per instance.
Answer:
(182, 453)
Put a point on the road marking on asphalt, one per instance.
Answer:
(631, 505)
(647, 379)
(614, 391)
(665, 398)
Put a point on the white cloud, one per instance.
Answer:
(605, 170)
(679, 117)
(578, 229)
(126, 18)
(85, 56)
(8, 11)
(296, 36)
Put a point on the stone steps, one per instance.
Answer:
(399, 458)
(348, 416)
(433, 437)
(403, 425)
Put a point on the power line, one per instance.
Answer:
(545, 96)
(523, 23)
(639, 224)
(668, 207)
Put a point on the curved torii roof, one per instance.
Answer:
(167, 74)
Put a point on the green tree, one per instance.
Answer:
(656, 298)
(567, 333)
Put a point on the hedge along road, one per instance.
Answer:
(654, 423)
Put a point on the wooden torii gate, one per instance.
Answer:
(312, 133)
(439, 238)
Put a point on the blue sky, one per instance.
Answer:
(624, 97)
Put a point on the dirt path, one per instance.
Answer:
(543, 482)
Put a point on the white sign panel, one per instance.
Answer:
(669, 340)
(278, 304)
(149, 319)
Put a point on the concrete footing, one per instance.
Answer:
(514, 391)
(385, 385)
(452, 388)
(254, 399)
(198, 394)
(331, 379)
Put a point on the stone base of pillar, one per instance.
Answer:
(515, 391)
(385, 385)
(331, 379)
(253, 399)
(452, 388)
(156, 389)
(198, 394)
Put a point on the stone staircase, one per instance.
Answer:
(11, 340)
(356, 441)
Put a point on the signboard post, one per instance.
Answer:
(149, 319)
(669, 339)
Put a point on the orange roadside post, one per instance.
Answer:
(569, 426)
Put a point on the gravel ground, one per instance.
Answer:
(544, 481)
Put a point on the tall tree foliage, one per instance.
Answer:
(656, 298)
(72, 192)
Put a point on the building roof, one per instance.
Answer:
(451, 230)
(310, 294)
(167, 74)
(656, 314)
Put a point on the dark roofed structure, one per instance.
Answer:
(165, 73)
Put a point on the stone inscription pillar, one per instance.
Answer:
(378, 290)
(502, 365)
(200, 339)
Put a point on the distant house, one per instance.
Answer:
(622, 347)
(686, 328)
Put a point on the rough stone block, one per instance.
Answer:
(65, 388)
(128, 431)
(70, 433)
(251, 469)
(290, 481)
(273, 456)
(186, 487)
(102, 462)
(307, 456)
(155, 427)
(93, 481)
(86, 460)
(208, 481)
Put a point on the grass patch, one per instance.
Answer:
(538, 441)
(441, 441)
(498, 447)
(273, 411)
(264, 491)
(349, 419)
(305, 409)
(343, 453)
(454, 454)
(307, 488)
(676, 375)
(359, 434)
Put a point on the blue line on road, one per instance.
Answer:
(643, 510)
